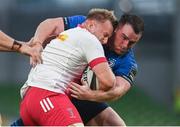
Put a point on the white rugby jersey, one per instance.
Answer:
(64, 60)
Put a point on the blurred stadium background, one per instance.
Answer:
(155, 98)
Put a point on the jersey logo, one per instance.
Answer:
(46, 104)
(111, 62)
(62, 37)
(71, 113)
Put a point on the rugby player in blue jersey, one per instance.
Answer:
(120, 55)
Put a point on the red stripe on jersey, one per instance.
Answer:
(97, 61)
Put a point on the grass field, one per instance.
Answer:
(135, 108)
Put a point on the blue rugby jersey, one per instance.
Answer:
(122, 65)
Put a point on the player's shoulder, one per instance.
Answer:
(127, 67)
(76, 32)
(125, 59)
(123, 64)
(85, 35)
(73, 35)
(82, 36)
(129, 57)
(80, 33)
(129, 54)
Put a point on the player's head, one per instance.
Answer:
(128, 32)
(101, 22)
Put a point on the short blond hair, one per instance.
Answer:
(102, 15)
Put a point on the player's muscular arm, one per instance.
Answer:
(104, 75)
(85, 93)
(48, 28)
(46, 31)
(121, 87)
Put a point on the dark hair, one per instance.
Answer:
(102, 15)
(136, 22)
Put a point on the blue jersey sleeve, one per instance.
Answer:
(124, 66)
(73, 21)
(127, 67)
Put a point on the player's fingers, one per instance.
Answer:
(72, 91)
(75, 96)
(73, 84)
(39, 59)
(33, 62)
(38, 56)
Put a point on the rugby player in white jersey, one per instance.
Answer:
(45, 99)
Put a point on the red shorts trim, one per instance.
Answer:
(46, 108)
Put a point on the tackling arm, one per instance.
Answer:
(45, 32)
(85, 93)
(121, 87)
(48, 28)
(53, 26)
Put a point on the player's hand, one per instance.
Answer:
(36, 58)
(80, 92)
(34, 53)
(37, 49)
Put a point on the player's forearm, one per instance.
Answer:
(100, 96)
(48, 28)
(6, 42)
(4, 49)
(9, 44)
(17, 46)
(103, 96)
(121, 87)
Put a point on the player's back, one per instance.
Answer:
(65, 54)
(64, 60)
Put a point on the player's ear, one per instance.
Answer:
(92, 26)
